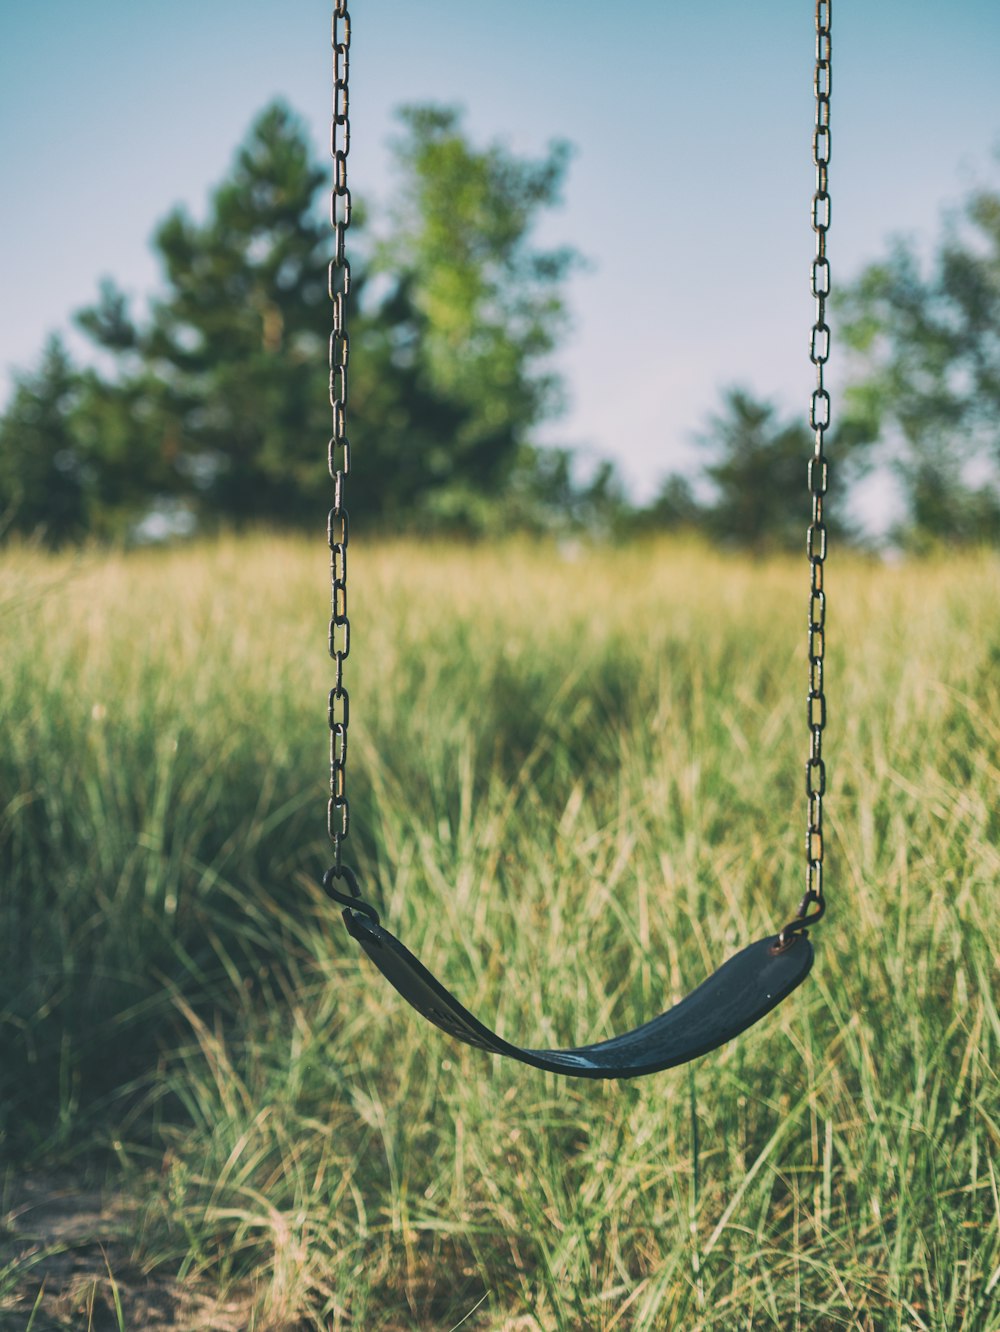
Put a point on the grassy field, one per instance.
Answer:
(576, 785)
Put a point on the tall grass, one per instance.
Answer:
(576, 785)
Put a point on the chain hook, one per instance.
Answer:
(352, 898)
(803, 919)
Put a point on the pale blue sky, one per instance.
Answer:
(689, 190)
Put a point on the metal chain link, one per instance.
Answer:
(813, 903)
(339, 452)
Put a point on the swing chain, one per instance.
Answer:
(813, 903)
(339, 449)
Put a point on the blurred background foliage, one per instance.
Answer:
(205, 410)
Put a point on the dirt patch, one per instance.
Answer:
(68, 1261)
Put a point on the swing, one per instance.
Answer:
(753, 981)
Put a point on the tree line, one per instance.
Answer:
(208, 407)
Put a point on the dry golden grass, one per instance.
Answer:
(576, 785)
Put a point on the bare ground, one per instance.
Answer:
(68, 1261)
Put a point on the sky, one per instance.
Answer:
(688, 192)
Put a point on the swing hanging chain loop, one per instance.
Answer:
(753, 981)
(339, 456)
(813, 903)
(352, 898)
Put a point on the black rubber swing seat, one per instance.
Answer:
(745, 988)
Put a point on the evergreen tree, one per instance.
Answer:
(754, 481)
(44, 473)
(452, 314)
(227, 374)
(758, 475)
(675, 508)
